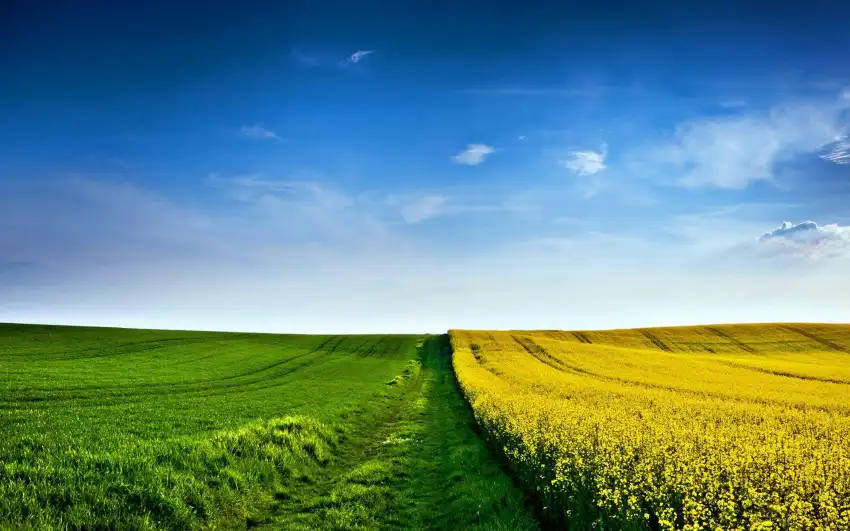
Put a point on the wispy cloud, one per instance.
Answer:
(423, 208)
(303, 58)
(522, 137)
(125, 256)
(356, 57)
(585, 162)
(474, 154)
(259, 132)
(732, 152)
(326, 59)
(253, 185)
(838, 151)
(523, 91)
(304, 206)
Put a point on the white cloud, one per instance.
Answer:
(730, 240)
(732, 152)
(259, 132)
(522, 137)
(838, 151)
(474, 154)
(807, 240)
(793, 231)
(423, 208)
(356, 57)
(585, 162)
(790, 249)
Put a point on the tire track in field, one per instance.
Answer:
(202, 388)
(480, 360)
(399, 347)
(785, 374)
(117, 349)
(277, 376)
(342, 339)
(54, 389)
(558, 335)
(120, 349)
(268, 382)
(271, 378)
(267, 367)
(358, 347)
(143, 397)
(582, 337)
(655, 340)
(211, 380)
(542, 355)
(373, 347)
(281, 380)
(720, 333)
(825, 342)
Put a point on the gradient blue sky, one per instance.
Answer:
(399, 166)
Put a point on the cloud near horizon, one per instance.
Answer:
(296, 245)
(808, 240)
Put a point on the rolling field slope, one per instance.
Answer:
(135, 429)
(712, 427)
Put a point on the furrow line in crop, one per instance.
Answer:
(825, 342)
(655, 341)
(724, 335)
(582, 337)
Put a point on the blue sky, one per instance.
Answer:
(308, 166)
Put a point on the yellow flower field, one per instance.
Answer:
(732, 427)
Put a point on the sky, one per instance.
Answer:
(329, 167)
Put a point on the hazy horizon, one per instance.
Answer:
(300, 168)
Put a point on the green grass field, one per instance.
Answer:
(134, 429)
